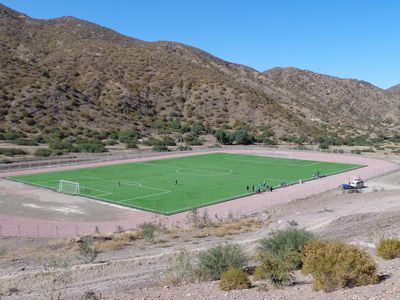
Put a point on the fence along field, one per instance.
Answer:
(173, 185)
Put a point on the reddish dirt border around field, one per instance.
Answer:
(14, 225)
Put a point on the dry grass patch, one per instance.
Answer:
(110, 245)
(235, 227)
(388, 248)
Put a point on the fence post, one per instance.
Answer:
(57, 231)
(19, 231)
(76, 231)
(1, 232)
(37, 230)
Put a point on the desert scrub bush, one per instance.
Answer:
(278, 270)
(218, 259)
(388, 248)
(334, 265)
(131, 145)
(286, 244)
(25, 142)
(182, 269)
(42, 152)
(183, 148)
(234, 279)
(87, 253)
(11, 152)
(147, 231)
(160, 148)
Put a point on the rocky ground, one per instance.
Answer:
(43, 269)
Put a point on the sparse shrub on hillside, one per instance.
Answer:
(192, 140)
(218, 259)
(147, 230)
(336, 265)
(183, 148)
(12, 152)
(87, 253)
(58, 144)
(168, 141)
(182, 269)
(234, 279)
(93, 146)
(323, 146)
(242, 137)
(152, 142)
(42, 152)
(111, 142)
(160, 148)
(284, 244)
(25, 142)
(11, 135)
(128, 135)
(131, 145)
(388, 248)
(279, 270)
(223, 137)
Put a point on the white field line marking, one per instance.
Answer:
(182, 167)
(132, 183)
(271, 163)
(135, 184)
(179, 171)
(141, 197)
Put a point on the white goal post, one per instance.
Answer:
(68, 187)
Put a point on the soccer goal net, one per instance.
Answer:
(68, 187)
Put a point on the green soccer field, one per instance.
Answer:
(201, 179)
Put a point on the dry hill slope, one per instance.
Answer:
(331, 98)
(394, 90)
(68, 72)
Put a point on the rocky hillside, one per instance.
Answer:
(394, 90)
(333, 99)
(67, 72)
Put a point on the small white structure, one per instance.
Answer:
(357, 183)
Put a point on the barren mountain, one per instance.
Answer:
(70, 72)
(336, 99)
(394, 90)
(67, 72)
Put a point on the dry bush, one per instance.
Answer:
(388, 248)
(218, 259)
(286, 245)
(277, 270)
(130, 235)
(182, 269)
(336, 265)
(234, 279)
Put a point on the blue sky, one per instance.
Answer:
(354, 38)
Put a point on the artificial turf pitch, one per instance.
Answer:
(201, 179)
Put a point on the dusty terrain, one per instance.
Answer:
(132, 272)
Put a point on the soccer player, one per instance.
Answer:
(248, 188)
(119, 183)
(176, 181)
